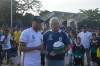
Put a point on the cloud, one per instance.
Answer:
(70, 5)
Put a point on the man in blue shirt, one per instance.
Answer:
(49, 38)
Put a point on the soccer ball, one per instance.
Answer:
(58, 46)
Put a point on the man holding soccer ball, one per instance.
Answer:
(50, 37)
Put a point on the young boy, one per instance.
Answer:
(93, 49)
(70, 54)
(14, 53)
(78, 52)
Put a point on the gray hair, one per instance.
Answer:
(53, 18)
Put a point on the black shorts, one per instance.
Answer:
(78, 61)
(93, 56)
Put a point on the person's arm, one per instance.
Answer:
(23, 48)
(44, 52)
(67, 44)
(83, 50)
(23, 41)
(3, 38)
(73, 50)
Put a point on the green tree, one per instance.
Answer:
(43, 12)
(19, 7)
(93, 19)
(26, 19)
(30, 5)
(5, 11)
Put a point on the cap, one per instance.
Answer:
(37, 19)
(84, 26)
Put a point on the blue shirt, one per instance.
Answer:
(0, 34)
(0, 38)
(50, 38)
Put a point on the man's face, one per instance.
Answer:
(36, 25)
(98, 32)
(55, 25)
(84, 29)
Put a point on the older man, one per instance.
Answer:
(49, 38)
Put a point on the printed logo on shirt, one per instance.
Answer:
(50, 37)
(60, 38)
(33, 37)
(80, 47)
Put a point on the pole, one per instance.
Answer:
(11, 13)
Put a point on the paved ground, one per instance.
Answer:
(4, 62)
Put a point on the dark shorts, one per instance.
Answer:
(78, 61)
(93, 56)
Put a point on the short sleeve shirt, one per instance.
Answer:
(50, 38)
(32, 39)
(7, 44)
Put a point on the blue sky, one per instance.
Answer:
(70, 5)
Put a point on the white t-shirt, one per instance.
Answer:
(85, 38)
(7, 44)
(32, 39)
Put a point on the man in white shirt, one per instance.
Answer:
(31, 44)
(6, 46)
(85, 41)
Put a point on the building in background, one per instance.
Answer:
(71, 19)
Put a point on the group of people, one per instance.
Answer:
(82, 43)
(9, 42)
(76, 45)
(36, 46)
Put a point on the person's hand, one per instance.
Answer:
(79, 57)
(52, 53)
(76, 56)
(40, 47)
(61, 52)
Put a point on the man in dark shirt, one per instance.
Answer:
(49, 38)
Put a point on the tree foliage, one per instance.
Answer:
(27, 19)
(30, 5)
(43, 12)
(19, 7)
(93, 19)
